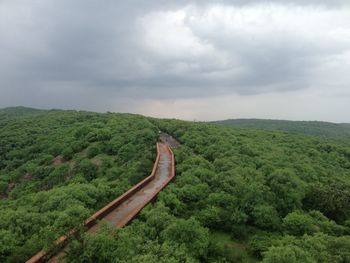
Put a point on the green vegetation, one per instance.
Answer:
(239, 195)
(264, 189)
(58, 167)
(315, 128)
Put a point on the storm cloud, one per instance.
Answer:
(187, 59)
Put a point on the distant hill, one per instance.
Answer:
(19, 111)
(10, 113)
(318, 128)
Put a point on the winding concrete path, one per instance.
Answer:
(120, 215)
(126, 207)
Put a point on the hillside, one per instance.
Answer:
(20, 110)
(239, 195)
(58, 167)
(317, 128)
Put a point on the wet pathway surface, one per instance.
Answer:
(121, 214)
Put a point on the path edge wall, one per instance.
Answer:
(42, 255)
(137, 211)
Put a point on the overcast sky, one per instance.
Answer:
(200, 60)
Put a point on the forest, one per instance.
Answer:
(339, 131)
(239, 195)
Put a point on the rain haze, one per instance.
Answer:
(203, 60)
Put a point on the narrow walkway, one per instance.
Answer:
(129, 208)
(119, 216)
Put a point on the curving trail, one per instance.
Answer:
(122, 210)
(120, 216)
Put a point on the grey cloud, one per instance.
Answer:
(84, 53)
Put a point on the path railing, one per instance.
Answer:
(43, 255)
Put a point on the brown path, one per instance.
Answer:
(119, 216)
(123, 213)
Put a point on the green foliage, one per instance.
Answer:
(297, 223)
(87, 169)
(278, 197)
(318, 128)
(288, 190)
(97, 248)
(332, 200)
(57, 176)
(223, 249)
(92, 151)
(287, 254)
(261, 242)
(190, 234)
(68, 153)
(261, 187)
(47, 183)
(266, 217)
(315, 248)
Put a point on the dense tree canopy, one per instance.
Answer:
(239, 195)
(315, 128)
(57, 169)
